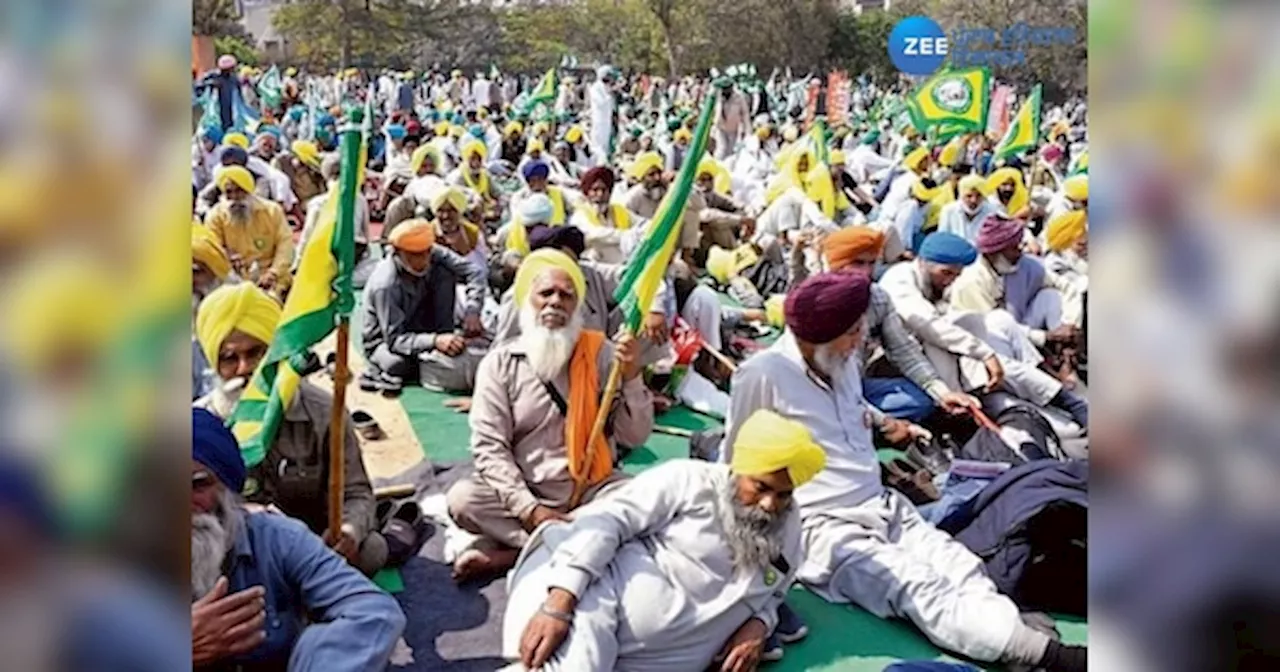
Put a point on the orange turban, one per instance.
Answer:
(414, 235)
(842, 247)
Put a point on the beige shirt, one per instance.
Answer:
(517, 430)
(978, 289)
(906, 284)
(638, 201)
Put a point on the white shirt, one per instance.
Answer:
(791, 211)
(953, 219)
(836, 414)
(864, 163)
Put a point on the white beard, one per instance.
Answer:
(1003, 266)
(829, 362)
(548, 350)
(212, 536)
(752, 534)
(226, 395)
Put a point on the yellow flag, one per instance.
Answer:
(957, 98)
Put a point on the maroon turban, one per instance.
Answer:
(827, 305)
(999, 232)
(597, 174)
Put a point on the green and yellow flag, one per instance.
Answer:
(545, 93)
(1079, 165)
(956, 98)
(1024, 131)
(648, 265)
(321, 296)
(821, 189)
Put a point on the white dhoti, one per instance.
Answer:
(885, 558)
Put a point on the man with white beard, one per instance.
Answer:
(865, 544)
(964, 217)
(684, 566)
(266, 592)
(532, 413)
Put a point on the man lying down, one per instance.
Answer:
(682, 567)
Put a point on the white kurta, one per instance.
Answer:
(602, 104)
(654, 577)
(865, 544)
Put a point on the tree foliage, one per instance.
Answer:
(243, 51)
(372, 33)
(216, 18)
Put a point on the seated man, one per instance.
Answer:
(534, 407)
(266, 593)
(1004, 277)
(252, 230)
(856, 249)
(210, 268)
(605, 225)
(472, 175)
(978, 352)
(535, 174)
(453, 232)
(684, 566)
(865, 544)
(235, 325)
(723, 218)
(963, 216)
(410, 329)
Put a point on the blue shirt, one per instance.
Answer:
(350, 624)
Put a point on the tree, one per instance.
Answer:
(217, 18)
(665, 13)
(372, 33)
(245, 54)
(859, 45)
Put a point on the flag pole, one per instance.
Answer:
(344, 237)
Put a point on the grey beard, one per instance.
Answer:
(1003, 266)
(212, 537)
(828, 361)
(239, 212)
(753, 535)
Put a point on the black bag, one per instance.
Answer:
(1035, 439)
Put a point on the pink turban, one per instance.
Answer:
(827, 305)
(998, 233)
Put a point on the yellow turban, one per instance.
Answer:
(708, 166)
(720, 264)
(237, 175)
(535, 145)
(451, 195)
(236, 140)
(240, 307)
(683, 134)
(1020, 195)
(442, 129)
(307, 152)
(414, 235)
(541, 128)
(1076, 188)
(790, 133)
(950, 154)
(970, 183)
(542, 260)
(60, 306)
(762, 132)
(207, 251)
(836, 158)
(473, 148)
(573, 135)
(456, 131)
(916, 158)
(775, 311)
(920, 191)
(642, 164)
(768, 442)
(420, 156)
(1065, 229)
(514, 128)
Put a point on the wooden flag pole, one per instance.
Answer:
(719, 356)
(337, 431)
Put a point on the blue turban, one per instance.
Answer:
(477, 131)
(273, 130)
(325, 120)
(535, 169)
(212, 134)
(941, 247)
(22, 494)
(214, 446)
(296, 112)
(396, 131)
(234, 156)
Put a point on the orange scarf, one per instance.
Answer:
(592, 464)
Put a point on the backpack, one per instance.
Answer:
(1030, 528)
(1025, 436)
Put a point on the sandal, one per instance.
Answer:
(403, 532)
(367, 427)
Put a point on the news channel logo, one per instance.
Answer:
(919, 46)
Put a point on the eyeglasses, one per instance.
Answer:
(202, 480)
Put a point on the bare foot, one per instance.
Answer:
(478, 564)
(460, 404)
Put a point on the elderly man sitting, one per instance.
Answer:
(252, 230)
(410, 329)
(606, 225)
(979, 352)
(865, 544)
(685, 565)
(536, 174)
(235, 325)
(1006, 278)
(266, 593)
(963, 217)
(534, 406)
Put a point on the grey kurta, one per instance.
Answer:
(517, 441)
(653, 573)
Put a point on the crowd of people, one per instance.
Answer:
(849, 283)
